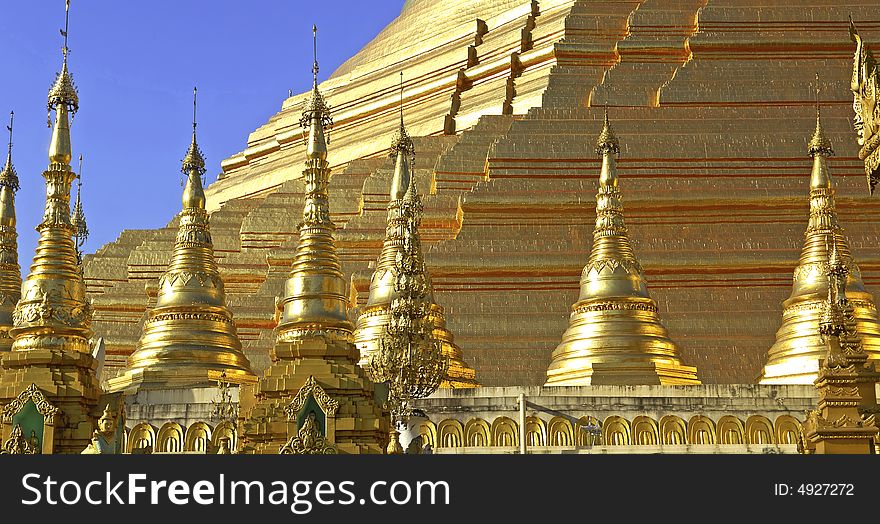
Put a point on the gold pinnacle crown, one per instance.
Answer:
(8, 176)
(819, 143)
(194, 160)
(63, 90)
(607, 139)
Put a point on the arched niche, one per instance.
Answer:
(585, 437)
(701, 430)
(759, 430)
(644, 430)
(225, 430)
(673, 431)
(536, 432)
(788, 430)
(142, 438)
(170, 438)
(560, 432)
(198, 436)
(450, 434)
(477, 433)
(616, 431)
(428, 431)
(504, 432)
(730, 431)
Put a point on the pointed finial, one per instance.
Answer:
(401, 99)
(63, 91)
(8, 176)
(65, 50)
(315, 68)
(194, 160)
(78, 217)
(819, 143)
(607, 142)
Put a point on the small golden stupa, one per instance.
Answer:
(314, 344)
(794, 357)
(10, 271)
(615, 335)
(189, 337)
(374, 317)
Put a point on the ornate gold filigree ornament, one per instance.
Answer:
(409, 359)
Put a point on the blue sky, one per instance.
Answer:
(135, 64)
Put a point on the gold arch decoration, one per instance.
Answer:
(582, 436)
(560, 432)
(730, 431)
(38, 421)
(141, 438)
(616, 431)
(673, 431)
(536, 432)
(170, 438)
(701, 430)
(759, 430)
(198, 436)
(428, 431)
(224, 430)
(788, 430)
(644, 430)
(504, 432)
(450, 434)
(477, 433)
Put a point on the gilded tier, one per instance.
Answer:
(10, 271)
(794, 357)
(376, 314)
(614, 335)
(189, 337)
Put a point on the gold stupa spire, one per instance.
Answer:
(53, 312)
(10, 271)
(375, 316)
(78, 216)
(315, 297)
(794, 357)
(189, 337)
(313, 348)
(615, 335)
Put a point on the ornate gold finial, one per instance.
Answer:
(615, 335)
(607, 140)
(403, 152)
(78, 216)
(865, 86)
(819, 143)
(316, 119)
(194, 160)
(8, 176)
(63, 90)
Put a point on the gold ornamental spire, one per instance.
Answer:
(78, 216)
(794, 357)
(53, 312)
(615, 335)
(189, 337)
(315, 299)
(10, 272)
(374, 318)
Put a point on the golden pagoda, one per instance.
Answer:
(376, 314)
(314, 359)
(794, 357)
(189, 338)
(51, 353)
(615, 335)
(10, 272)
